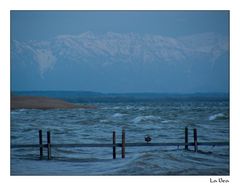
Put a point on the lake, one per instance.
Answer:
(163, 119)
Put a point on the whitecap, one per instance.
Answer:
(23, 110)
(118, 115)
(103, 121)
(141, 108)
(19, 111)
(216, 116)
(167, 121)
(129, 107)
(145, 118)
(15, 112)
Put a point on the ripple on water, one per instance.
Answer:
(164, 122)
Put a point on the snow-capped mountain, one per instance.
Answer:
(120, 53)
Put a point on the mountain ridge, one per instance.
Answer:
(122, 62)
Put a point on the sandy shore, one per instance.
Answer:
(35, 102)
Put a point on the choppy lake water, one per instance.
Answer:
(163, 121)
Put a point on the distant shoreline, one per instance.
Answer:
(99, 97)
(41, 102)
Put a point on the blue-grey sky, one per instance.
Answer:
(120, 51)
(41, 25)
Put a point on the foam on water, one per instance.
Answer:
(168, 121)
(23, 110)
(15, 112)
(19, 111)
(128, 107)
(103, 121)
(141, 108)
(146, 118)
(118, 115)
(217, 116)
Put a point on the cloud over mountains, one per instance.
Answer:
(110, 48)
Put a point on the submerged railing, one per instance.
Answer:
(114, 145)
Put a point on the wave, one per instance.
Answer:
(168, 121)
(15, 112)
(217, 116)
(19, 111)
(118, 115)
(146, 118)
(142, 108)
(104, 121)
(128, 107)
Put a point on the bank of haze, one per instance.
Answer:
(40, 102)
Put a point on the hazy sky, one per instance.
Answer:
(196, 39)
(42, 25)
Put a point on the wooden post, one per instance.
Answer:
(186, 138)
(40, 143)
(123, 143)
(49, 144)
(114, 145)
(195, 140)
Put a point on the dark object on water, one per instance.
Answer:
(148, 138)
